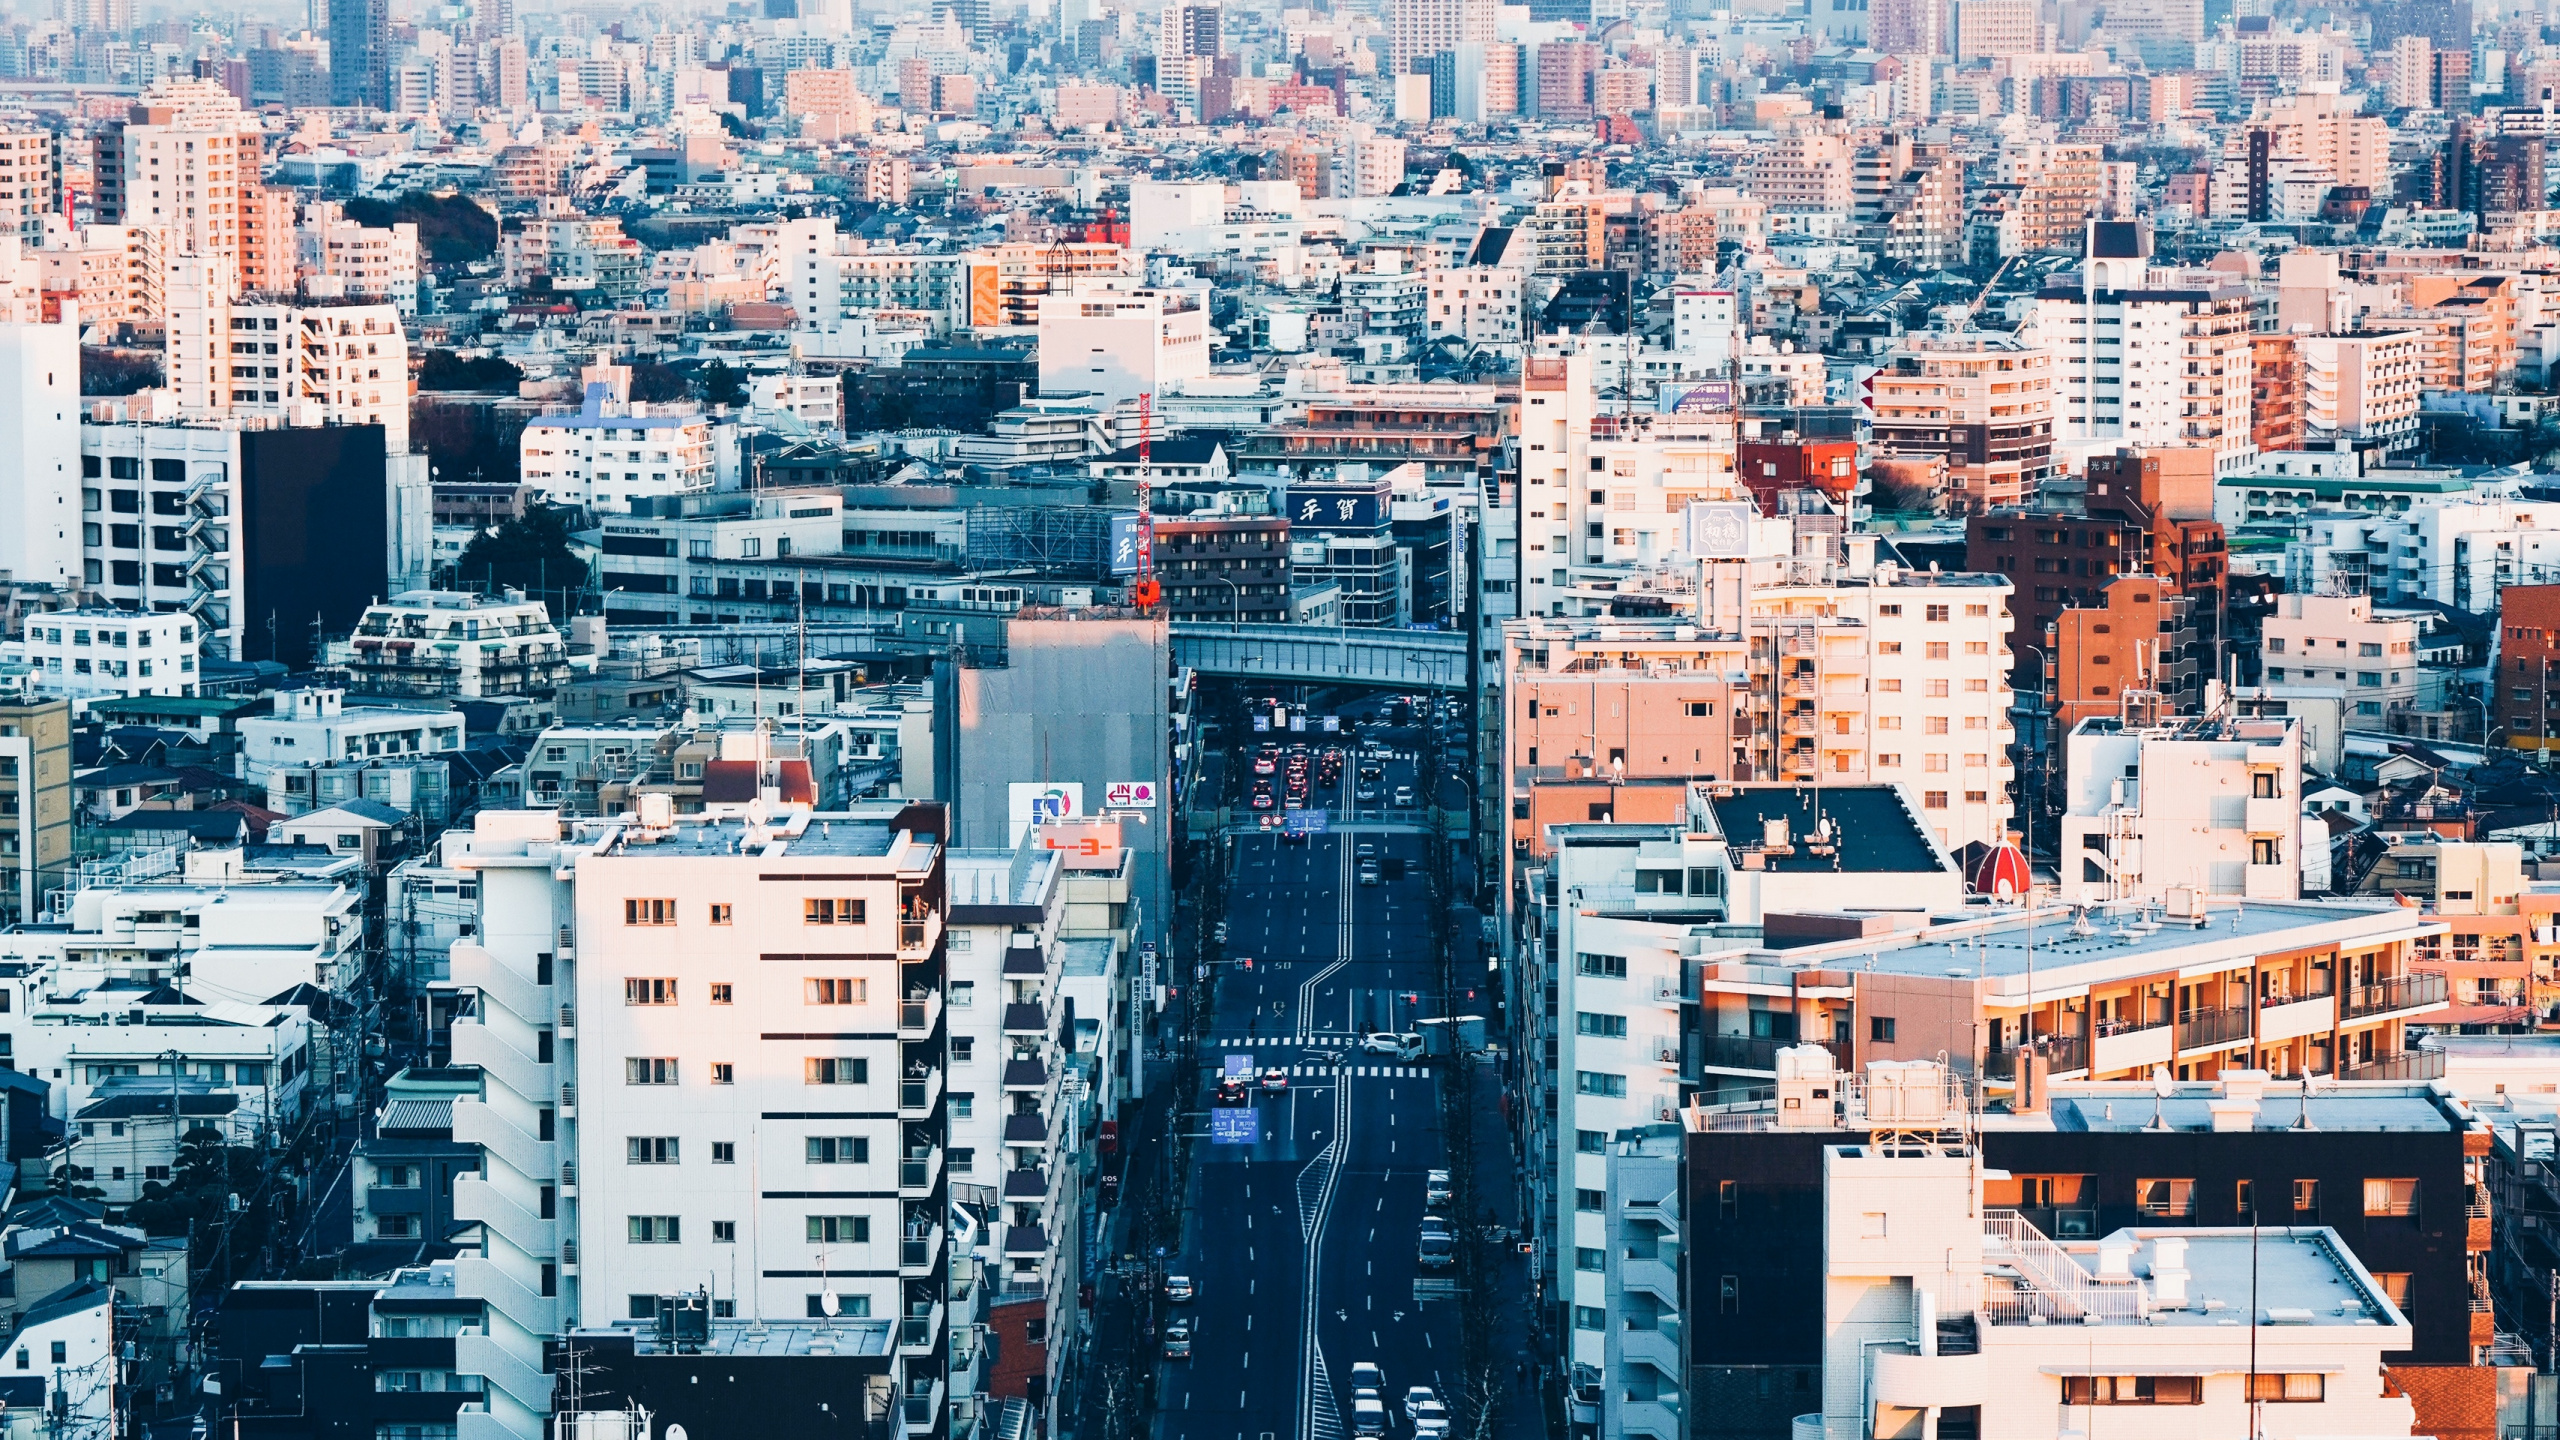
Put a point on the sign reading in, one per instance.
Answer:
(1129, 795)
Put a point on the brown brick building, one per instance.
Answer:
(2275, 393)
(2140, 635)
(2525, 696)
(1231, 568)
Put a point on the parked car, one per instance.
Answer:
(1177, 1289)
(1435, 1189)
(1177, 1340)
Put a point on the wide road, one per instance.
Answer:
(1336, 1167)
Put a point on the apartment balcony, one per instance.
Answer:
(1926, 1381)
(2398, 995)
(920, 1409)
(475, 1044)
(916, 938)
(1022, 1240)
(2064, 1055)
(2475, 1214)
(1028, 1131)
(1026, 1187)
(568, 1102)
(477, 1122)
(2132, 1045)
(475, 1278)
(1026, 1072)
(1659, 1347)
(918, 1016)
(1023, 1018)
(2213, 1029)
(477, 1200)
(2397, 1065)
(919, 1334)
(917, 1174)
(917, 1095)
(919, 1253)
(2286, 1016)
(476, 1353)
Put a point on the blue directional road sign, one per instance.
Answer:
(1234, 1125)
(1307, 822)
(1237, 1066)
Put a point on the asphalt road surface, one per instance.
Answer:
(1303, 1243)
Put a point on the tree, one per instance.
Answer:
(116, 372)
(654, 382)
(530, 553)
(452, 229)
(722, 384)
(444, 370)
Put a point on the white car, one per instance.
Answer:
(1387, 1042)
(1367, 1378)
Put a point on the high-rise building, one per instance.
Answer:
(1565, 68)
(184, 163)
(1908, 27)
(2144, 356)
(1982, 400)
(35, 805)
(300, 364)
(30, 181)
(1420, 29)
(40, 507)
(1988, 29)
(360, 59)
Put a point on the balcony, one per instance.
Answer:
(2212, 1029)
(917, 1173)
(917, 1254)
(1025, 1018)
(1027, 1131)
(918, 1334)
(1744, 1054)
(917, 1095)
(1026, 1072)
(2064, 1055)
(921, 1409)
(2288, 1016)
(918, 1015)
(2423, 990)
(1024, 1187)
(2132, 1045)
(1655, 1277)
(2399, 1065)
(1658, 1347)
(916, 938)
(1025, 1240)
(1925, 1381)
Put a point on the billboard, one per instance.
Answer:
(1701, 397)
(1719, 530)
(1129, 795)
(1335, 509)
(1129, 546)
(1038, 802)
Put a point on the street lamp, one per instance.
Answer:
(2043, 719)
(2487, 730)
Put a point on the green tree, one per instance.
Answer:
(531, 554)
(723, 384)
(444, 370)
(452, 229)
(653, 382)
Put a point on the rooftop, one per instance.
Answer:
(843, 1336)
(2129, 939)
(1870, 828)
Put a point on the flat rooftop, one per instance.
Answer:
(855, 837)
(1870, 827)
(777, 1337)
(2131, 940)
(2296, 1275)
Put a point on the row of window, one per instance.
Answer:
(820, 1230)
(817, 1070)
(825, 911)
(650, 990)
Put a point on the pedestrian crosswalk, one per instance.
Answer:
(1382, 1072)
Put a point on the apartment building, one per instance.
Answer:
(2146, 356)
(2521, 693)
(2362, 389)
(364, 262)
(616, 454)
(1119, 344)
(455, 643)
(315, 726)
(110, 272)
(1807, 169)
(1480, 300)
(284, 363)
(2337, 639)
(30, 181)
(2112, 1243)
(2211, 805)
(1982, 401)
(2060, 189)
(569, 251)
(644, 1115)
(2134, 653)
(1227, 568)
(99, 653)
(184, 163)
(35, 805)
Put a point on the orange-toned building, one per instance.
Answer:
(2525, 697)
(2275, 393)
(2139, 636)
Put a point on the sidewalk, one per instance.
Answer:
(1522, 1415)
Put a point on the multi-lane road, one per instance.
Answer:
(1303, 1244)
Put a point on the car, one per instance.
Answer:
(1262, 800)
(1177, 1340)
(1274, 1080)
(1265, 764)
(1178, 1291)
(1417, 1397)
(1368, 1416)
(1232, 1090)
(1368, 872)
(1404, 797)
(1388, 1042)
(1368, 1379)
(1438, 1249)
(1435, 1189)
(1366, 794)
(1430, 1420)
(1367, 850)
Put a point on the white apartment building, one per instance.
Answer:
(2143, 356)
(455, 643)
(1420, 29)
(2337, 640)
(114, 272)
(316, 727)
(30, 181)
(363, 262)
(94, 654)
(286, 364)
(185, 165)
(40, 429)
(2453, 549)
(614, 455)
(1120, 344)
(658, 1119)
(1704, 324)
(2363, 389)
(2211, 805)
(1480, 302)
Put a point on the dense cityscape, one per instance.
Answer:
(1185, 543)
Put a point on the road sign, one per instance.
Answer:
(1307, 822)
(1234, 1125)
(1237, 1066)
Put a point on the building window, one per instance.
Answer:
(724, 1232)
(832, 1071)
(2396, 1288)
(1728, 1294)
(1597, 1082)
(839, 1150)
(656, 1230)
(2266, 852)
(2244, 1199)
(2165, 1197)
(2132, 1390)
(1937, 612)
(2296, 1389)
(643, 991)
(651, 1149)
(724, 1152)
(839, 1230)
(1609, 1026)
(2390, 1197)
(831, 912)
(1589, 1257)
(1607, 967)
(1880, 1029)
(653, 1070)
(1592, 1201)
(1933, 799)
(720, 914)
(2306, 1197)
(1590, 1317)
(723, 1073)
(722, 994)
(835, 992)
(648, 912)
(1591, 1142)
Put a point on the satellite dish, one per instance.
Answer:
(675, 1432)
(827, 1305)
(2160, 1081)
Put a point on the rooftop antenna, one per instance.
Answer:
(2159, 1097)
(2304, 1121)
